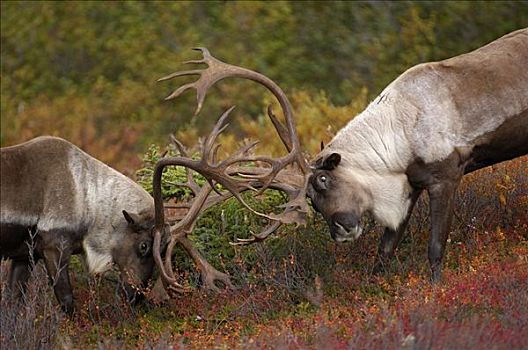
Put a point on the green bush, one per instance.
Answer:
(228, 221)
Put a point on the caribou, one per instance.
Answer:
(433, 124)
(57, 201)
(429, 127)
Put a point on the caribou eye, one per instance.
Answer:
(143, 248)
(322, 182)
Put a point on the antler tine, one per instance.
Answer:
(258, 237)
(205, 52)
(179, 91)
(214, 153)
(237, 157)
(281, 130)
(181, 74)
(206, 55)
(219, 127)
(191, 183)
(169, 282)
(209, 273)
(181, 148)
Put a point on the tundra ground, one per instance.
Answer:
(301, 290)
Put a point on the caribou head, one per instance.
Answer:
(326, 192)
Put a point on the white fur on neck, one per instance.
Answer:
(376, 139)
(105, 193)
(97, 262)
(388, 194)
(391, 200)
(375, 154)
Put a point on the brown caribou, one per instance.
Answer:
(57, 201)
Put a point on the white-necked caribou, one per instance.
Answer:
(429, 127)
(433, 124)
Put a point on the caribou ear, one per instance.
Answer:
(332, 161)
(131, 218)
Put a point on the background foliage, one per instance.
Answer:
(86, 71)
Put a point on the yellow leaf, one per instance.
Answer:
(502, 199)
(500, 233)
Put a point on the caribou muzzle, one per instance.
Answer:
(345, 227)
(132, 294)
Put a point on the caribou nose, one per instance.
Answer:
(345, 227)
(345, 222)
(133, 294)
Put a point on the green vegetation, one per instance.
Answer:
(171, 178)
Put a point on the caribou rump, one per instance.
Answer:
(433, 124)
(56, 201)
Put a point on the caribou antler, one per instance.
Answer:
(233, 174)
(204, 198)
(218, 70)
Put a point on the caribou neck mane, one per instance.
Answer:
(374, 155)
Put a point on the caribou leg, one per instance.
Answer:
(209, 274)
(441, 202)
(18, 277)
(391, 238)
(57, 261)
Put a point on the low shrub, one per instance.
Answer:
(33, 322)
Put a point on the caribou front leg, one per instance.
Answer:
(18, 277)
(391, 238)
(57, 260)
(441, 202)
(208, 272)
